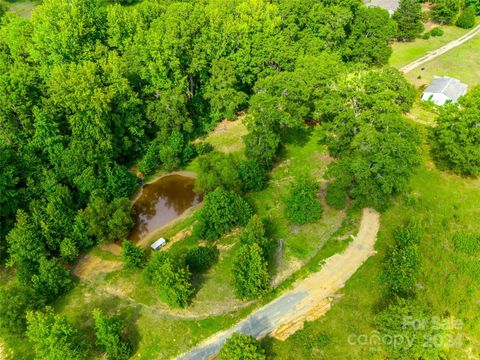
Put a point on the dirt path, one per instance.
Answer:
(309, 299)
(442, 50)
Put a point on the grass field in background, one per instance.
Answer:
(22, 8)
(446, 205)
(406, 52)
(461, 63)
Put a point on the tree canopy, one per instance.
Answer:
(456, 138)
(222, 210)
(241, 347)
(53, 337)
(408, 17)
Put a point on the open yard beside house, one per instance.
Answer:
(406, 52)
(461, 63)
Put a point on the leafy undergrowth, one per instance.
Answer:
(447, 207)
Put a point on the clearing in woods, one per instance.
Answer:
(308, 300)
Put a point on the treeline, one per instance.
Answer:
(456, 138)
(87, 90)
(410, 17)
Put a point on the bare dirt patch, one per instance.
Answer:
(89, 266)
(112, 248)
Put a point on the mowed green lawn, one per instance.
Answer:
(406, 52)
(461, 63)
(445, 205)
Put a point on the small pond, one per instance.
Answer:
(162, 201)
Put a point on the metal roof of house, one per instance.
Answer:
(390, 5)
(450, 87)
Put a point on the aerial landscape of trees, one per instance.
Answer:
(95, 97)
(456, 139)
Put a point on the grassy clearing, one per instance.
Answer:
(227, 136)
(406, 52)
(300, 243)
(159, 332)
(422, 113)
(445, 204)
(460, 63)
(154, 335)
(22, 8)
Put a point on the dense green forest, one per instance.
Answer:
(93, 97)
(88, 91)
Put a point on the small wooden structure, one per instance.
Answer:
(158, 244)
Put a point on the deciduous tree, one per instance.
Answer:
(250, 273)
(108, 331)
(302, 204)
(241, 347)
(456, 138)
(53, 337)
(222, 210)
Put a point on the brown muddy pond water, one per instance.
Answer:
(161, 202)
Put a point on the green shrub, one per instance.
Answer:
(250, 273)
(241, 347)
(222, 210)
(201, 258)
(410, 319)
(302, 204)
(108, 331)
(309, 339)
(426, 35)
(171, 279)
(336, 196)
(466, 19)
(132, 255)
(254, 177)
(254, 233)
(203, 148)
(402, 265)
(436, 32)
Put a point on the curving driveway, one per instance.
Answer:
(309, 299)
(442, 50)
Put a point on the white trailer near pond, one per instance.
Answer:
(158, 244)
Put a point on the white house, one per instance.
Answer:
(158, 244)
(444, 89)
(389, 5)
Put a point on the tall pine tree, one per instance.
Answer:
(408, 17)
